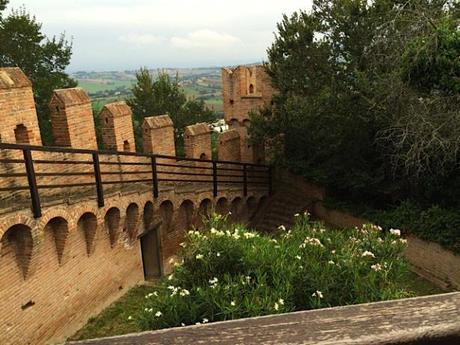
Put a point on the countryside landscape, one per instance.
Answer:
(199, 83)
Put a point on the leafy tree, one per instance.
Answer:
(369, 96)
(41, 58)
(164, 95)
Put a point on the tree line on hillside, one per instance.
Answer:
(369, 98)
(44, 60)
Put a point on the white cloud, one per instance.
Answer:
(204, 39)
(141, 39)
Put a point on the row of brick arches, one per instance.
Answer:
(119, 228)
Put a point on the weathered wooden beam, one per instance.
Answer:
(414, 321)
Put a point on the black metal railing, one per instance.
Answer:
(101, 169)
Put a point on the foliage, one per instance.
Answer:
(432, 223)
(41, 58)
(230, 272)
(369, 97)
(164, 95)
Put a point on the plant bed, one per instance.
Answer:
(229, 272)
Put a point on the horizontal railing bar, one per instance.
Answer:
(52, 186)
(126, 172)
(42, 161)
(65, 174)
(182, 173)
(124, 163)
(13, 175)
(183, 166)
(127, 181)
(11, 160)
(178, 180)
(9, 189)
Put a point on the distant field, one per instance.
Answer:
(99, 85)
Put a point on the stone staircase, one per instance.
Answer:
(292, 195)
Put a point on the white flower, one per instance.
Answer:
(213, 230)
(281, 301)
(130, 317)
(184, 292)
(182, 244)
(298, 257)
(276, 306)
(312, 241)
(198, 323)
(213, 280)
(376, 267)
(182, 324)
(368, 254)
(330, 262)
(297, 215)
(205, 320)
(233, 303)
(158, 313)
(229, 213)
(236, 236)
(318, 294)
(199, 256)
(403, 241)
(171, 277)
(333, 251)
(217, 254)
(282, 228)
(306, 213)
(396, 232)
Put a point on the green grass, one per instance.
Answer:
(114, 320)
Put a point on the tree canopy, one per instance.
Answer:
(164, 95)
(41, 58)
(369, 95)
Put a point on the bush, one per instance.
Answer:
(435, 223)
(229, 272)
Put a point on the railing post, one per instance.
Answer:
(245, 181)
(31, 178)
(270, 180)
(214, 178)
(154, 176)
(98, 177)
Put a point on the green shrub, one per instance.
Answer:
(229, 272)
(432, 224)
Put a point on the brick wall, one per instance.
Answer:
(61, 269)
(72, 119)
(229, 146)
(17, 109)
(117, 127)
(197, 141)
(158, 135)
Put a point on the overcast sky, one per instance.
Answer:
(126, 34)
